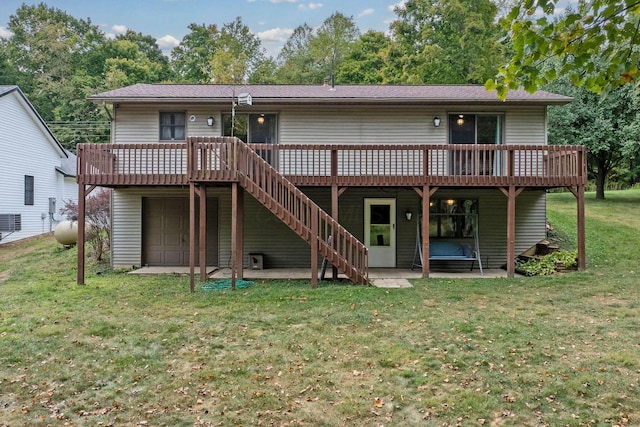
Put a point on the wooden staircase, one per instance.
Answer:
(230, 157)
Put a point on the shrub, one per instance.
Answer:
(97, 220)
(548, 264)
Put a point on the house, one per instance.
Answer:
(37, 173)
(294, 174)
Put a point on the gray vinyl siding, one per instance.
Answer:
(140, 124)
(336, 124)
(354, 124)
(282, 248)
(126, 228)
(526, 125)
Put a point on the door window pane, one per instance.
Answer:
(380, 228)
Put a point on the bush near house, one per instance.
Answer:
(97, 220)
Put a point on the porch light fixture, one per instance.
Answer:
(210, 121)
(261, 119)
(460, 120)
(408, 215)
(436, 121)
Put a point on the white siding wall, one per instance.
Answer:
(27, 149)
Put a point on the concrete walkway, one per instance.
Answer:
(379, 277)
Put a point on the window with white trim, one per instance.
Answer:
(172, 126)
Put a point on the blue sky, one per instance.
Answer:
(167, 20)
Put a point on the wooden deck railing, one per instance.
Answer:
(455, 165)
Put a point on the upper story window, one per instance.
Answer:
(28, 190)
(172, 126)
(252, 128)
(476, 128)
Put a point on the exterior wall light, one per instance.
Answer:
(408, 215)
(261, 119)
(436, 121)
(460, 120)
(210, 121)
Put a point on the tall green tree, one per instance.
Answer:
(191, 58)
(212, 55)
(312, 56)
(366, 60)
(446, 42)
(295, 63)
(48, 46)
(333, 42)
(594, 44)
(607, 124)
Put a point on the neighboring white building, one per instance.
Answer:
(37, 174)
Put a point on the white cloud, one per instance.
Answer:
(4, 33)
(273, 40)
(400, 5)
(119, 29)
(366, 12)
(310, 6)
(275, 35)
(167, 42)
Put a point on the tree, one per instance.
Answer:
(595, 45)
(445, 42)
(365, 61)
(295, 62)
(53, 53)
(191, 58)
(310, 57)
(97, 220)
(204, 53)
(607, 124)
(47, 46)
(332, 43)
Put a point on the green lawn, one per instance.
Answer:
(128, 350)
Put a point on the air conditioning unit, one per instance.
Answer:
(10, 223)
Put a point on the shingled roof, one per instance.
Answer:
(310, 94)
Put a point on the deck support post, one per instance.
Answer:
(512, 193)
(426, 196)
(580, 223)
(334, 215)
(192, 236)
(582, 248)
(511, 231)
(81, 237)
(313, 241)
(240, 233)
(83, 192)
(234, 234)
(202, 240)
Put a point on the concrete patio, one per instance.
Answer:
(379, 277)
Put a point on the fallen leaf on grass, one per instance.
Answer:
(378, 403)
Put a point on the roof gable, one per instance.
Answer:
(29, 109)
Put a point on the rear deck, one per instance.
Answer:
(272, 173)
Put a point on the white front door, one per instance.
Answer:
(380, 231)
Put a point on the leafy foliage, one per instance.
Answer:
(548, 264)
(97, 220)
(595, 45)
(445, 42)
(607, 124)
